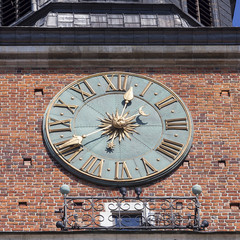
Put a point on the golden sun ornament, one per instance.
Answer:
(116, 126)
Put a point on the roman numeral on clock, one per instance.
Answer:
(93, 166)
(66, 125)
(121, 167)
(145, 89)
(78, 88)
(148, 167)
(72, 150)
(60, 103)
(176, 124)
(165, 102)
(170, 148)
(120, 84)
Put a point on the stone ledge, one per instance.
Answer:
(103, 235)
(118, 56)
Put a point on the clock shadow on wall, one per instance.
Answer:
(117, 129)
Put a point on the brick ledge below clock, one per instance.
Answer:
(120, 235)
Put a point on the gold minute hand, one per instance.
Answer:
(77, 140)
(96, 131)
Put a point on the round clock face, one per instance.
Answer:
(118, 129)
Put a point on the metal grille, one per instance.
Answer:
(12, 10)
(200, 10)
(205, 12)
(193, 8)
(149, 213)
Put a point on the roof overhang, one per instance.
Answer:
(44, 47)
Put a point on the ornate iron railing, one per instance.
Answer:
(129, 213)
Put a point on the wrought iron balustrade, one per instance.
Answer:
(129, 213)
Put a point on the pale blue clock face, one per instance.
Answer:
(155, 140)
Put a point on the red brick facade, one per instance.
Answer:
(30, 179)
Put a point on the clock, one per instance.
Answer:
(118, 129)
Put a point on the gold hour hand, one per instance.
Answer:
(128, 96)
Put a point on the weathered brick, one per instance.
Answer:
(216, 138)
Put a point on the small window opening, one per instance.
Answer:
(22, 204)
(235, 205)
(27, 161)
(222, 163)
(186, 163)
(127, 219)
(38, 91)
(225, 93)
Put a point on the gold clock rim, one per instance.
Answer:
(147, 178)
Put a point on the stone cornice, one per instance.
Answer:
(41, 47)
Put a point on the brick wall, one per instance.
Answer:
(30, 178)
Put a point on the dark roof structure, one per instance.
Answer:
(123, 14)
(43, 33)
